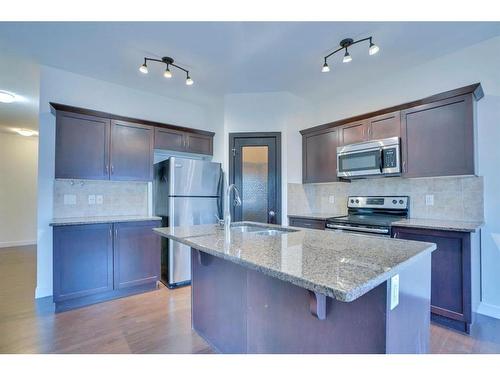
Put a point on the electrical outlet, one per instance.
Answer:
(69, 199)
(394, 291)
(331, 199)
(99, 199)
(429, 200)
(91, 199)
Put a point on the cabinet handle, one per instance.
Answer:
(395, 235)
(112, 169)
(110, 233)
(116, 232)
(404, 166)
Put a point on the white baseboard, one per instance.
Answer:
(42, 292)
(489, 310)
(17, 243)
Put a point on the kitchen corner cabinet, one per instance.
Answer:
(98, 262)
(176, 140)
(455, 274)
(438, 138)
(131, 151)
(319, 156)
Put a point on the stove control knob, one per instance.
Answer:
(401, 201)
(357, 200)
(394, 201)
(352, 200)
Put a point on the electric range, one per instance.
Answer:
(371, 215)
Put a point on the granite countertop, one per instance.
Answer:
(100, 220)
(451, 225)
(340, 265)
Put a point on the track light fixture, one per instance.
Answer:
(344, 45)
(167, 73)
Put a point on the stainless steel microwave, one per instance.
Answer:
(369, 159)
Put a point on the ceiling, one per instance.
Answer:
(233, 57)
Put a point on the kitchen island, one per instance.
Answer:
(269, 289)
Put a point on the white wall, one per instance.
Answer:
(18, 176)
(478, 63)
(269, 112)
(72, 89)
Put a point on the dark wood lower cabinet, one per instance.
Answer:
(303, 222)
(98, 262)
(455, 274)
(136, 254)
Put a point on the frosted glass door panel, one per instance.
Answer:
(255, 182)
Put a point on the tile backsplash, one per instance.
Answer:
(455, 198)
(118, 198)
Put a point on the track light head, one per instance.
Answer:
(347, 57)
(325, 68)
(373, 49)
(143, 69)
(167, 73)
(189, 81)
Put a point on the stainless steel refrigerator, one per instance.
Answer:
(185, 192)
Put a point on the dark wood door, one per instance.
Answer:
(82, 146)
(354, 132)
(131, 155)
(199, 144)
(169, 139)
(319, 156)
(136, 254)
(451, 270)
(385, 126)
(438, 138)
(83, 260)
(255, 169)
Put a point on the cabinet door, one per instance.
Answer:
(199, 144)
(354, 132)
(438, 138)
(319, 156)
(136, 254)
(83, 260)
(451, 271)
(131, 151)
(169, 139)
(385, 126)
(82, 146)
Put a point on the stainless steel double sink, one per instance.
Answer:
(260, 229)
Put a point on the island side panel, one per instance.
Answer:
(280, 320)
(408, 324)
(218, 302)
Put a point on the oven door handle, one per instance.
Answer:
(359, 229)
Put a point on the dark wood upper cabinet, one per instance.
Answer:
(385, 126)
(438, 138)
(199, 144)
(83, 260)
(319, 151)
(174, 140)
(131, 151)
(136, 254)
(354, 132)
(82, 146)
(169, 139)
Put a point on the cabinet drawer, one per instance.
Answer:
(307, 223)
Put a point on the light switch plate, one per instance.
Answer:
(99, 199)
(394, 291)
(331, 199)
(91, 199)
(429, 200)
(69, 199)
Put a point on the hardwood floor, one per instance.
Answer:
(154, 322)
